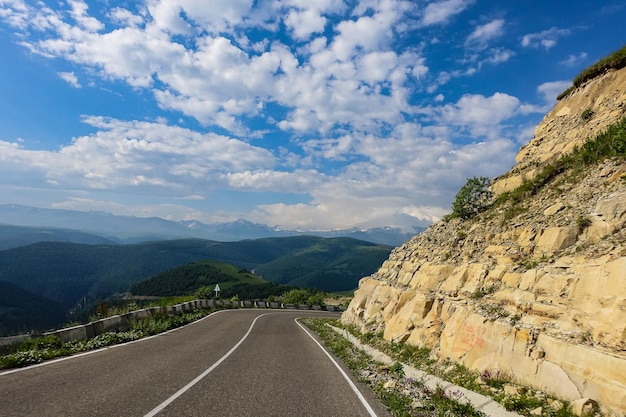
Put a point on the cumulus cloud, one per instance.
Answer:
(442, 11)
(70, 78)
(141, 156)
(181, 17)
(546, 38)
(480, 114)
(573, 60)
(482, 34)
(399, 173)
(347, 131)
(552, 89)
(303, 23)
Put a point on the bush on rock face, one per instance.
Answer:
(473, 198)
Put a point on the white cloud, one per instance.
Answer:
(168, 15)
(70, 78)
(498, 56)
(481, 36)
(79, 14)
(348, 133)
(148, 157)
(546, 38)
(268, 180)
(574, 60)
(125, 17)
(548, 92)
(357, 80)
(398, 173)
(366, 34)
(303, 23)
(552, 89)
(442, 11)
(478, 111)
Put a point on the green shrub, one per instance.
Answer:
(303, 296)
(473, 198)
(587, 114)
(583, 222)
(398, 369)
(522, 403)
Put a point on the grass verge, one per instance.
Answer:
(402, 396)
(39, 349)
(415, 399)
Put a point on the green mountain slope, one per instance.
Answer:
(334, 265)
(22, 311)
(67, 272)
(188, 278)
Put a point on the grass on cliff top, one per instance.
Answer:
(609, 144)
(616, 60)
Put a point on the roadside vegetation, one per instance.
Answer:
(39, 349)
(407, 397)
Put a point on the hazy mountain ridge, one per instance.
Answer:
(130, 229)
(16, 236)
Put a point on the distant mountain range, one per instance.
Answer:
(95, 227)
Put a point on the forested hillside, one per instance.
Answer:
(205, 275)
(68, 272)
(22, 311)
(334, 265)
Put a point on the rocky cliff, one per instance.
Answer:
(535, 286)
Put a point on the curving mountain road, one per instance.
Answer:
(231, 363)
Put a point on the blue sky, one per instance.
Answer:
(304, 114)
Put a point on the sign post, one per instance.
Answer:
(217, 290)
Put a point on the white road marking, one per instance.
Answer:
(90, 352)
(181, 391)
(367, 406)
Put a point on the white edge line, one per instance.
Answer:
(90, 352)
(197, 379)
(358, 393)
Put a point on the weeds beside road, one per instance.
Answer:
(407, 396)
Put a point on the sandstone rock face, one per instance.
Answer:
(540, 292)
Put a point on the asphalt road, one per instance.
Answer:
(231, 363)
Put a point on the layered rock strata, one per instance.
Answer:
(539, 292)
